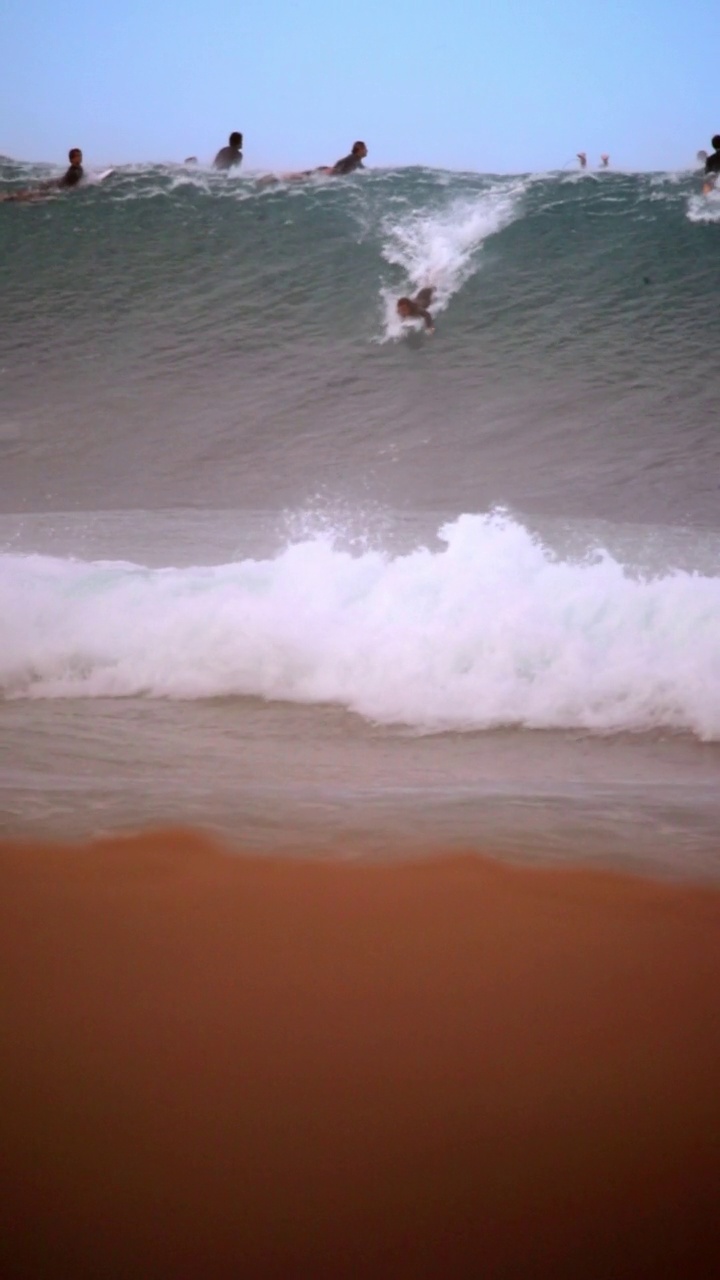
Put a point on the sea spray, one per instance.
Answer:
(492, 629)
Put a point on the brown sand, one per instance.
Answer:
(225, 1067)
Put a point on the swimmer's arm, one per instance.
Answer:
(428, 320)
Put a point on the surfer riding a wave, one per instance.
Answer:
(417, 308)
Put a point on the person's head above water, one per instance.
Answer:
(75, 157)
(235, 139)
(715, 140)
(417, 308)
(359, 149)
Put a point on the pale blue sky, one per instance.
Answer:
(492, 85)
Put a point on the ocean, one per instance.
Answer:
(275, 566)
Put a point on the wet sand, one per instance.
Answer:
(222, 1066)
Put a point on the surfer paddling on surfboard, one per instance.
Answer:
(350, 163)
(343, 167)
(340, 169)
(417, 308)
(75, 173)
(72, 176)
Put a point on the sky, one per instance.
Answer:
(489, 85)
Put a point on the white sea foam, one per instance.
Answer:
(491, 629)
(440, 247)
(704, 208)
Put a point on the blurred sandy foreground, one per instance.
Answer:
(217, 1065)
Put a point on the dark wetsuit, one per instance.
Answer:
(712, 164)
(348, 164)
(227, 158)
(74, 175)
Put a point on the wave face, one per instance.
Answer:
(181, 338)
(189, 342)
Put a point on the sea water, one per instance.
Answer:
(275, 564)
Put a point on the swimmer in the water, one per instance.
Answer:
(417, 308)
(72, 176)
(228, 157)
(582, 157)
(712, 166)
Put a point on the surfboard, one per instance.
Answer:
(100, 177)
(301, 175)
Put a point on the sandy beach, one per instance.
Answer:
(226, 1066)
